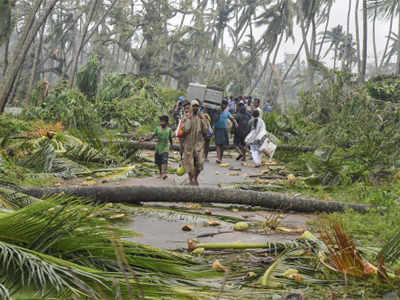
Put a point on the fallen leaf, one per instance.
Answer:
(224, 165)
(369, 268)
(208, 212)
(235, 169)
(187, 228)
(118, 216)
(218, 267)
(276, 167)
(213, 223)
(192, 244)
(293, 274)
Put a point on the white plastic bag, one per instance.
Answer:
(268, 147)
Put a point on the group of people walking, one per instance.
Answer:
(196, 125)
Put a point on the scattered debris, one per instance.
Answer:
(213, 223)
(187, 228)
(241, 226)
(218, 266)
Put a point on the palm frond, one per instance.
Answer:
(24, 269)
(173, 215)
(342, 255)
(4, 293)
(390, 252)
(64, 227)
(15, 200)
(66, 168)
(42, 159)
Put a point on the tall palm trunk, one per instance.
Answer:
(278, 46)
(75, 59)
(304, 33)
(35, 67)
(264, 68)
(348, 17)
(31, 27)
(358, 37)
(172, 51)
(389, 37)
(374, 39)
(292, 63)
(398, 35)
(365, 40)
(6, 50)
(325, 31)
(335, 59)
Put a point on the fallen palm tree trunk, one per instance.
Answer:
(138, 194)
(176, 147)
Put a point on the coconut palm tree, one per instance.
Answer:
(365, 40)
(310, 14)
(389, 9)
(278, 19)
(334, 37)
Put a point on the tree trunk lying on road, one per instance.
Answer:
(152, 146)
(138, 194)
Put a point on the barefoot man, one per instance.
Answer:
(195, 128)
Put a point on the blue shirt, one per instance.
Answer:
(222, 122)
(232, 107)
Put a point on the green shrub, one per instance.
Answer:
(127, 101)
(87, 78)
(385, 88)
(71, 107)
(355, 136)
(12, 126)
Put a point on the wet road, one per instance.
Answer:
(164, 230)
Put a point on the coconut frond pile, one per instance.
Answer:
(46, 152)
(62, 247)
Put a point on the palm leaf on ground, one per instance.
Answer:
(66, 228)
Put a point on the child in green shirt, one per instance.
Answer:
(163, 134)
